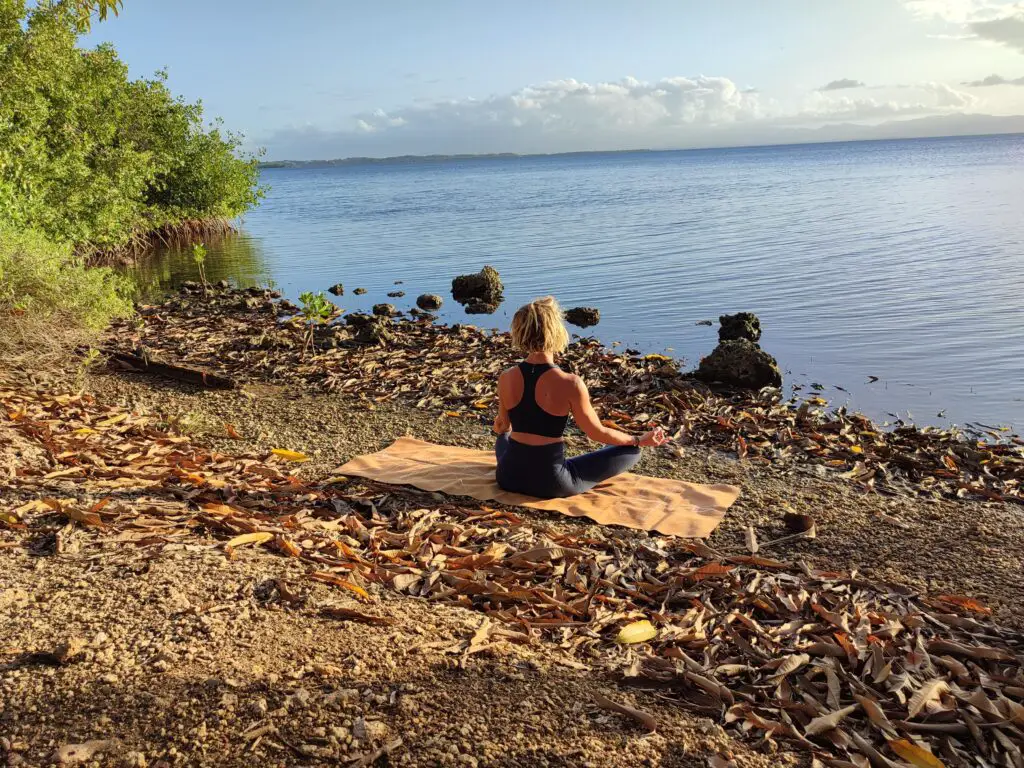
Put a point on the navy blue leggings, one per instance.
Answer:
(543, 470)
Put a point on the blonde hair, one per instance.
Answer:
(538, 327)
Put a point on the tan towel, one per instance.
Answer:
(672, 507)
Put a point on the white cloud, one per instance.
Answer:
(570, 115)
(994, 80)
(1007, 30)
(838, 85)
(994, 21)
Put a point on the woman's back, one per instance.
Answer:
(538, 398)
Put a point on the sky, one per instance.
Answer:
(318, 79)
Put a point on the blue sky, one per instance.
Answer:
(323, 78)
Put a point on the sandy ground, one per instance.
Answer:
(189, 658)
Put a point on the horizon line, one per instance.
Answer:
(441, 157)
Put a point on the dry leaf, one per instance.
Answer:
(926, 694)
(249, 538)
(915, 755)
(637, 632)
(646, 720)
(295, 456)
(330, 578)
(829, 721)
(751, 540)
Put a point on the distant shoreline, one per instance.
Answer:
(442, 158)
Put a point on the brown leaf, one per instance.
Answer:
(646, 720)
(926, 694)
(828, 722)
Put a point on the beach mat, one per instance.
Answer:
(671, 507)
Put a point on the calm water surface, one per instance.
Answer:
(902, 260)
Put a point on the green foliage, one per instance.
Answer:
(91, 158)
(316, 310)
(48, 283)
(199, 257)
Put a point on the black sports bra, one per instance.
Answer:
(529, 417)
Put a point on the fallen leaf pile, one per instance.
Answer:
(452, 371)
(855, 672)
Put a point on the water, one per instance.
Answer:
(902, 260)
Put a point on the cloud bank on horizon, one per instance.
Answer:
(569, 115)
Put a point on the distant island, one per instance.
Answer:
(934, 127)
(400, 159)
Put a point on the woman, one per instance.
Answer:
(534, 402)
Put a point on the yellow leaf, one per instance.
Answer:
(219, 509)
(8, 517)
(856, 449)
(284, 453)
(481, 405)
(336, 480)
(250, 538)
(637, 632)
(112, 420)
(452, 414)
(817, 401)
(84, 431)
(915, 755)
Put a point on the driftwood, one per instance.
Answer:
(143, 359)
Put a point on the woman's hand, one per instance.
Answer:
(653, 438)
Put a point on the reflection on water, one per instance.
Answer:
(237, 258)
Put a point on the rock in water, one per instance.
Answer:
(483, 287)
(429, 301)
(337, 289)
(384, 310)
(396, 294)
(583, 317)
(740, 363)
(476, 307)
(742, 325)
(359, 291)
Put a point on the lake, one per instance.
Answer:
(901, 260)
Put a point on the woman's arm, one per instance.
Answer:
(587, 419)
(502, 424)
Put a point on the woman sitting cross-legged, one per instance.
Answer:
(535, 399)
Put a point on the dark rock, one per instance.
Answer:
(337, 289)
(481, 308)
(191, 286)
(583, 317)
(285, 307)
(359, 291)
(384, 310)
(396, 294)
(374, 332)
(358, 319)
(222, 285)
(399, 282)
(705, 322)
(429, 301)
(740, 363)
(742, 325)
(483, 287)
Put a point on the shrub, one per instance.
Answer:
(44, 284)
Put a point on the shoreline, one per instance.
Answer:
(247, 334)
